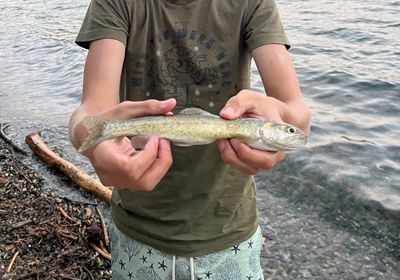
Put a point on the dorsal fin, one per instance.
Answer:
(195, 111)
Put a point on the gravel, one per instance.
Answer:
(302, 244)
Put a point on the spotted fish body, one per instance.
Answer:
(197, 127)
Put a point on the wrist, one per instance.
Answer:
(280, 107)
(76, 130)
(297, 113)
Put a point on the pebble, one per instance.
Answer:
(326, 253)
(306, 274)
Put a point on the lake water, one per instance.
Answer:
(347, 56)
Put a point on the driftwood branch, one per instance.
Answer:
(78, 176)
(3, 136)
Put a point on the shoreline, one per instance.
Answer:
(42, 235)
(302, 242)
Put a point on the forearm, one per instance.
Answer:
(100, 84)
(280, 82)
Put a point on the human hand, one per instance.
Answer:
(119, 164)
(252, 104)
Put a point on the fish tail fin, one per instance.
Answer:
(94, 127)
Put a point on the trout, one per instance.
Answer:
(193, 126)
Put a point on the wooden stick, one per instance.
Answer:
(101, 246)
(67, 235)
(104, 227)
(65, 215)
(20, 224)
(34, 273)
(101, 252)
(12, 262)
(88, 272)
(88, 213)
(9, 141)
(79, 177)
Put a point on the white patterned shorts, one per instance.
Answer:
(134, 260)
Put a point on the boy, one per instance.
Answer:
(184, 212)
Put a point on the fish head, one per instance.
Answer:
(276, 136)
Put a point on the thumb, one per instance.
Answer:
(134, 109)
(152, 107)
(233, 109)
(156, 107)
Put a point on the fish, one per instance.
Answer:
(194, 126)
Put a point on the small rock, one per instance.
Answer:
(306, 274)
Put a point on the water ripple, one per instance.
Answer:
(346, 55)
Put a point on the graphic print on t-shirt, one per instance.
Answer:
(185, 65)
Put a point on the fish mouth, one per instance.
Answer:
(295, 144)
(273, 146)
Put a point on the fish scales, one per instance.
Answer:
(196, 127)
(184, 126)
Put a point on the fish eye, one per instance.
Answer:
(291, 130)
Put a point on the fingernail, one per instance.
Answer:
(167, 100)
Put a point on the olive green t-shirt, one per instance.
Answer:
(197, 52)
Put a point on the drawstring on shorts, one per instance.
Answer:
(173, 273)
(191, 269)
(173, 267)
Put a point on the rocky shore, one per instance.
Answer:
(44, 236)
(49, 236)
